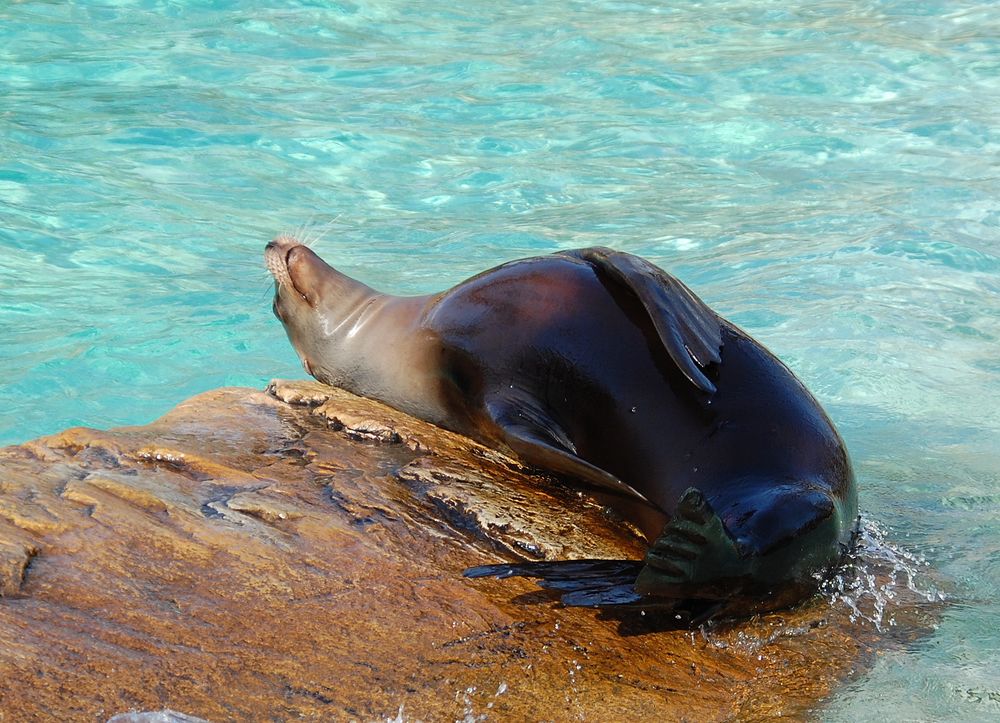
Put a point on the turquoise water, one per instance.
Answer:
(828, 177)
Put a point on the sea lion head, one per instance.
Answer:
(312, 300)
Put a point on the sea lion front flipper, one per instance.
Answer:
(540, 441)
(690, 332)
(694, 554)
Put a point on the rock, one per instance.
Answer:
(298, 553)
(155, 716)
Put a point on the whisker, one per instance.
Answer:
(248, 264)
(267, 290)
(302, 230)
(320, 232)
(285, 233)
(308, 233)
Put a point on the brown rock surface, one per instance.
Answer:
(247, 558)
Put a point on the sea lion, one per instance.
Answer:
(601, 367)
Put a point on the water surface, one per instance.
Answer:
(825, 176)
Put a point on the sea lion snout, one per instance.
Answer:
(275, 257)
(296, 268)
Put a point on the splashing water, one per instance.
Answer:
(876, 578)
(873, 575)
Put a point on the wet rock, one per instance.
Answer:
(155, 716)
(298, 553)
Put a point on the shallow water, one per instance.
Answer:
(826, 177)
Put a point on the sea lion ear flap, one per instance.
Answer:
(690, 331)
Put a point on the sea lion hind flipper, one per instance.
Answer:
(690, 331)
(605, 584)
(539, 441)
(693, 554)
(781, 544)
(580, 583)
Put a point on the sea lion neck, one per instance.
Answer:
(350, 335)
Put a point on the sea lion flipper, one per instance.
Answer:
(784, 531)
(580, 583)
(539, 441)
(689, 330)
(605, 584)
(694, 552)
